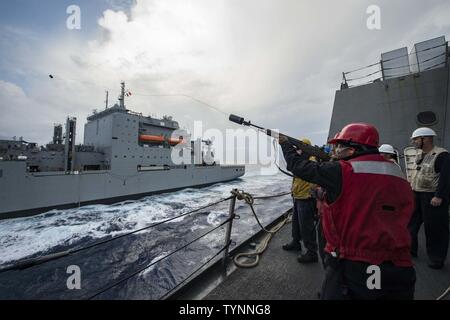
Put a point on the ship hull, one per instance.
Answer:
(26, 194)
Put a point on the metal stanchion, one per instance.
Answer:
(228, 231)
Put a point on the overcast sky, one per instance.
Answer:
(277, 63)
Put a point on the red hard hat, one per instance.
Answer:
(359, 133)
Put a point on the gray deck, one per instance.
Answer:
(280, 277)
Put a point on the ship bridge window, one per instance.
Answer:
(426, 118)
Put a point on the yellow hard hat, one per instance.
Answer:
(305, 140)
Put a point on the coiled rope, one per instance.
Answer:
(254, 256)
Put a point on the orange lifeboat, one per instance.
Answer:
(153, 139)
(159, 139)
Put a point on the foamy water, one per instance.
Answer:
(59, 230)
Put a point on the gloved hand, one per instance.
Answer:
(282, 139)
(436, 202)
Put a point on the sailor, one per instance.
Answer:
(304, 212)
(364, 217)
(387, 152)
(431, 184)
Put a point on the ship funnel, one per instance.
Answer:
(69, 149)
(57, 134)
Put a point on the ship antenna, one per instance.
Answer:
(106, 101)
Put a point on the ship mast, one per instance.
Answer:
(122, 95)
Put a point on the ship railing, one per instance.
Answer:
(236, 195)
(379, 71)
(139, 114)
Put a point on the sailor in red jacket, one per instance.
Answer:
(364, 217)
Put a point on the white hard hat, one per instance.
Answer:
(423, 132)
(386, 148)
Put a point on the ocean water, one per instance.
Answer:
(106, 264)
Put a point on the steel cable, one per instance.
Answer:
(194, 272)
(155, 262)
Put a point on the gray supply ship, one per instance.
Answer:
(125, 155)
